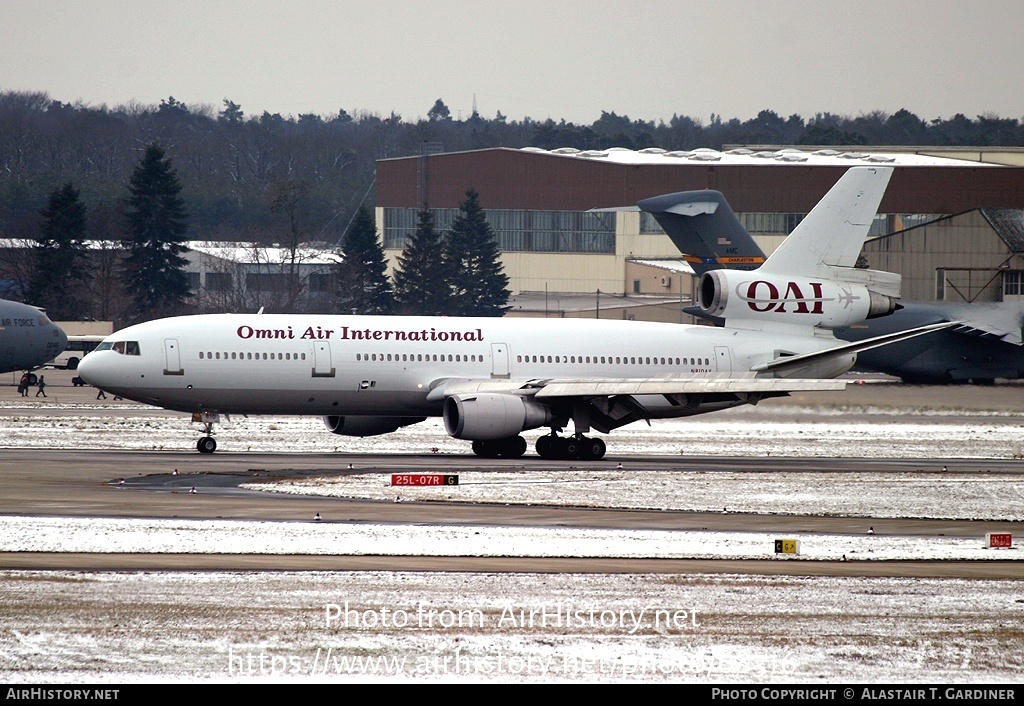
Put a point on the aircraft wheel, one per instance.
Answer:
(206, 445)
(513, 447)
(545, 447)
(593, 449)
(571, 448)
(482, 449)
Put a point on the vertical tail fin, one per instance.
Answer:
(705, 229)
(833, 233)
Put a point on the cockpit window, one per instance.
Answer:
(126, 347)
(105, 346)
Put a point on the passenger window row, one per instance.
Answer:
(419, 357)
(217, 355)
(612, 360)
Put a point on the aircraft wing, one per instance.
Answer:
(597, 387)
(771, 378)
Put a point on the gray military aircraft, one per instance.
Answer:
(986, 345)
(28, 338)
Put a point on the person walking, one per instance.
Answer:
(23, 385)
(42, 386)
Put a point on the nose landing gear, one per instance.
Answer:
(207, 444)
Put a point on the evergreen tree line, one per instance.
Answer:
(138, 277)
(269, 179)
(236, 170)
(142, 276)
(454, 274)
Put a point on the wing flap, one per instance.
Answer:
(554, 388)
(597, 388)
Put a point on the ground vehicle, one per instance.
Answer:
(77, 348)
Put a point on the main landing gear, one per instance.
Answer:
(583, 448)
(552, 447)
(512, 447)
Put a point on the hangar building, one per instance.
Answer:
(539, 202)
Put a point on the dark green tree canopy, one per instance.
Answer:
(421, 279)
(157, 227)
(60, 257)
(439, 111)
(479, 285)
(363, 285)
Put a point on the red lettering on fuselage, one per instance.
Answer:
(773, 295)
(247, 332)
(793, 295)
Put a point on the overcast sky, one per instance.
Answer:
(570, 59)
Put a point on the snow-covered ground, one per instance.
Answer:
(478, 627)
(745, 431)
(926, 492)
(111, 627)
(111, 535)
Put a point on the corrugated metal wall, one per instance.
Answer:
(965, 247)
(507, 178)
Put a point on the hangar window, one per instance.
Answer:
(218, 281)
(518, 230)
(1013, 285)
(781, 223)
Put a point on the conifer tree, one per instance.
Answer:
(363, 286)
(479, 285)
(60, 257)
(157, 224)
(421, 282)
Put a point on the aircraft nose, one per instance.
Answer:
(62, 337)
(94, 370)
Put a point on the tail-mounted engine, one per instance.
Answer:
(826, 303)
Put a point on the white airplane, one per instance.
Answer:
(28, 338)
(493, 378)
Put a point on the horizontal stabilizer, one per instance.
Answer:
(797, 364)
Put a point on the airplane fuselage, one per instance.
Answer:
(388, 365)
